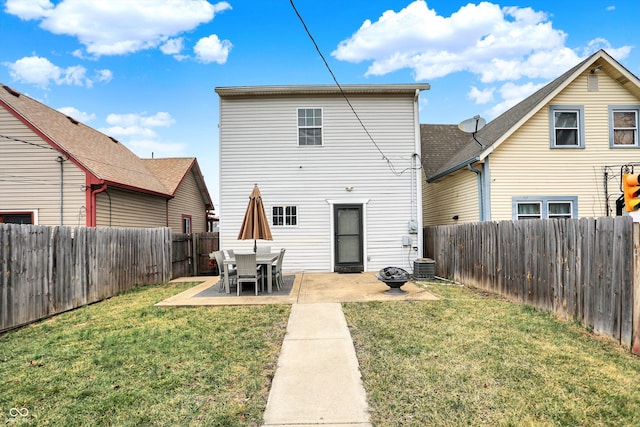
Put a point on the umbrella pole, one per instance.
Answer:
(255, 246)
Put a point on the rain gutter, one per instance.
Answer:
(453, 169)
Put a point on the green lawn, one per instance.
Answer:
(474, 359)
(467, 359)
(124, 362)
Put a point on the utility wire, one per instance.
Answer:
(384, 157)
(27, 142)
(82, 158)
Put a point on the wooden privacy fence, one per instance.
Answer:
(48, 270)
(584, 269)
(191, 254)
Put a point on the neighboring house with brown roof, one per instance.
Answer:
(55, 170)
(556, 154)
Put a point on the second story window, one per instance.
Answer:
(567, 129)
(309, 126)
(624, 127)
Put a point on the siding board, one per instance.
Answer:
(258, 144)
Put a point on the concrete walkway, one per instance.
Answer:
(317, 381)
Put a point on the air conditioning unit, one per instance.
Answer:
(424, 268)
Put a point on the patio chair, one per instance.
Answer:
(233, 274)
(277, 271)
(248, 271)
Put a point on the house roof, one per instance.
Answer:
(388, 89)
(103, 157)
(467, 150)
(443, 142)
(172, 171)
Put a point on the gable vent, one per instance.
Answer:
(592, 82)
(72, 120)
(11, 91)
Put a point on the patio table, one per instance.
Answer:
(266, 259)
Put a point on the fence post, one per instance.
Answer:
(636, 289)
(195, 254)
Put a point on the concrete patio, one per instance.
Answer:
(308, 288)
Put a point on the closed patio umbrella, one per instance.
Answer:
(255, 224)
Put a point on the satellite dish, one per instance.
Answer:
(472, 125)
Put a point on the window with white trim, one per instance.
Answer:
(544, 207)
(529, 210)
(309, 126)
(186, 224)
(567, 126)
(623, 126)
(7, 217)
(285, 216)
(559, 209)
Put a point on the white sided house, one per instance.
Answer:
(337, 167)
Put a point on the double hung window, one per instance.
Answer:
(567, 126)
(309, 126)
(623, 127)
(544, 207)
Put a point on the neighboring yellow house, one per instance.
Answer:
(55, 170)
(557, 154)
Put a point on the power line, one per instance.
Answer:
(27, 142)
(82, 158)
(384, 157)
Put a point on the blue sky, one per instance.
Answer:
(144, 71)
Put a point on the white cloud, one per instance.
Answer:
(610, 8)
(118, 27)
(28, 10)
(148, 147)
(172, 46)
(600, 43)
(42, 72)
(494, 43)
(212, 49)
(137, 132)
(481, 96)
(160, 119)
(103, 76)
(511, 95)
(77, 114)
(469, 40)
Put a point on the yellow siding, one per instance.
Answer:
(30, 177)
(187, 201)
(120, 208)
(525, 165)
(457, 194)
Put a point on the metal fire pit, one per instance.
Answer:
(394, 277)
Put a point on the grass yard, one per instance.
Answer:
(475, 359)
(124, 362)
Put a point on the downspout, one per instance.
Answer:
(93, 208)
(60, 160)
(480, 190)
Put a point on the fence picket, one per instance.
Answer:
(581, 269)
